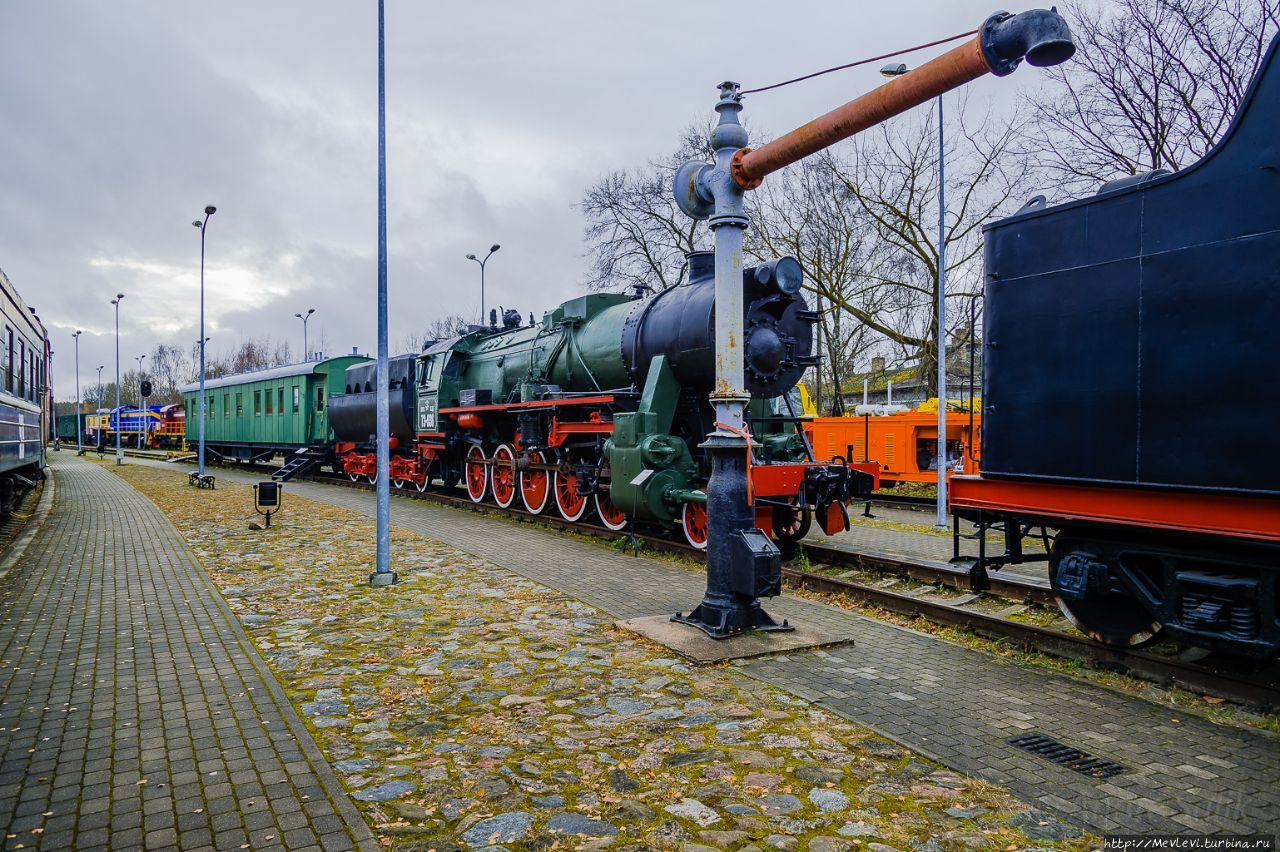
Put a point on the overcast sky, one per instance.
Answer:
(122, 120)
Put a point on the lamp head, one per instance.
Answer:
(299, 316)
(310, 311)
(494, 248)
(119, 296)
(210, 210)
(894, 69)
(197, 224)
(471, 257)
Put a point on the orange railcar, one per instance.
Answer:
(904, 442)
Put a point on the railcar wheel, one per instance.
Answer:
(477, 474)
(372, 477)
(571, 504)
(791, 523)
(397, 482)
(502, 476)
(424, 483)
(353, 476)
(1103, 614)
(693, 520)
(535, 487)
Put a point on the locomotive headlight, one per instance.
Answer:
(785, 274)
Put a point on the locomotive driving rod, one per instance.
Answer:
(1040, 36)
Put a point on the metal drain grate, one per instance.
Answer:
(1064, 755)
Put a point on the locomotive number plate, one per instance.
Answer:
(427, 414)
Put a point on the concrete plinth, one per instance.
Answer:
(696, 645)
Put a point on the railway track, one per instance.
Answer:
(1221, 679)
(1254, 688)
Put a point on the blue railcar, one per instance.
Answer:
(25, 407)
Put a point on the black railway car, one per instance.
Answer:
(1152, 309)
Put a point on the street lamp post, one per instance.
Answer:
(492, 249)
(897, 70)
(79, 422)
(203, 226)
(306, 352)
(142, 420)
(119, 450)
(382, 574)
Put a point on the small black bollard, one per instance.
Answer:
(268, 496)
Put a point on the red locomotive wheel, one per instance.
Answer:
(397, 482)
(502, 476)
(571, 504)
(353, 476)
(477, 474)
(610, 515)
(535, 487)
(423, 483)
(694, 522)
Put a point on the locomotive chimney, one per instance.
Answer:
(702, 265)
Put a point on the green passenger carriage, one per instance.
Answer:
(255, 416)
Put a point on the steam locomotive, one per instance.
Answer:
(603, 405)
(1136, 304)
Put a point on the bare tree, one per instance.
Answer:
(1153, 85)
(636, 236)
(170, 368)
(891, 174)
(440, 328)
(809, 213)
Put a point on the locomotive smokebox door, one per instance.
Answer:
(757, 565)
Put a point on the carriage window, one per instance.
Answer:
(320, 398)
(8, 359)
(22, 369)
(296, 399)
(270, 410)
(226, 405)
(239, 405)
(257, 403)
(280, 400)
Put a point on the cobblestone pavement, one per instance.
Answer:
(956, 704)
(133, 711)
(468, 706)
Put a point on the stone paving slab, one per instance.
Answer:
(133, 711)
(957, 705)
(468, 705)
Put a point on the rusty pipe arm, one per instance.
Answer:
(1040, 36)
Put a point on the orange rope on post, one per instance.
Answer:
(745, 433)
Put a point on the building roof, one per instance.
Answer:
(303, 369)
